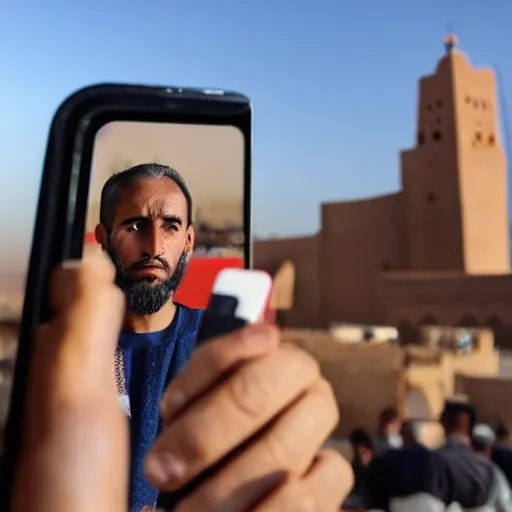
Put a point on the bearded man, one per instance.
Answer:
(146, 228)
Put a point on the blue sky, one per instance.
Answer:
(333, 83)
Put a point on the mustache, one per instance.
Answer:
(155, 262)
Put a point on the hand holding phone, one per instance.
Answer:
(74, 431)
(237, 421)
(239, 297)
(282, 384)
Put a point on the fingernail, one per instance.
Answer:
(256, 334)
(172, 400)
(164, 467)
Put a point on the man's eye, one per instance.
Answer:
(172, 227)
(134, 227)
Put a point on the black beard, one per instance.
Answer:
(142, 296)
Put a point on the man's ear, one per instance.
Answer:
(101, 236)
(191, 241)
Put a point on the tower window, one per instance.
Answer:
(478, 136)
(437, 135)
(439, 103)
(385, 265)
(431, 197)
(421, 138)
(492, 140)
(468, 100)
(429, 107)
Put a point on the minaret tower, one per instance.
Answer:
(455, 178)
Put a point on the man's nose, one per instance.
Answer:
(154, 241)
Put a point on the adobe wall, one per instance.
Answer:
(429, 178)
(430, 188)
(365, 379)
(483, 194)
(283, 287)
(358, 240)
(482, 360)
(417, 379)
(426, 391)
(412, 299)
(434, 376)
(303, 252)
(491, 397)
(477, 364)
(485, 214)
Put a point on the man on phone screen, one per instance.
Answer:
(146, 228)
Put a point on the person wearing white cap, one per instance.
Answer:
(482, 440)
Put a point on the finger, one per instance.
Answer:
(212, 361)
(231, 413)
(85, 296)
(69, 281)
(323, 489)
(72, 411)
(74, 351)
(73, 354)
(284, 450)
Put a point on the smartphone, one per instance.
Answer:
(98, 131)
(239, 297)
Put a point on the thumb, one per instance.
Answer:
(75, 448)
(88, 309)
(70, 281)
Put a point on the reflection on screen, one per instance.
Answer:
(210, 159)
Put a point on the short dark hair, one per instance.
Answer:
(122, 180)
(501, 431)
(453, 410)
(388, 414)
(360, 437)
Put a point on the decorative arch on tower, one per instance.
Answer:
(428, 320)
(407, 331)
(502, 334)
(468, 321)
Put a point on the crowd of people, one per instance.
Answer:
(394, 470)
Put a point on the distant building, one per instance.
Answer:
(437, 251)
(220, 216)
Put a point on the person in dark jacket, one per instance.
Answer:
(470, 478)
(453, 474)
(482, 440)
(363, 453)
